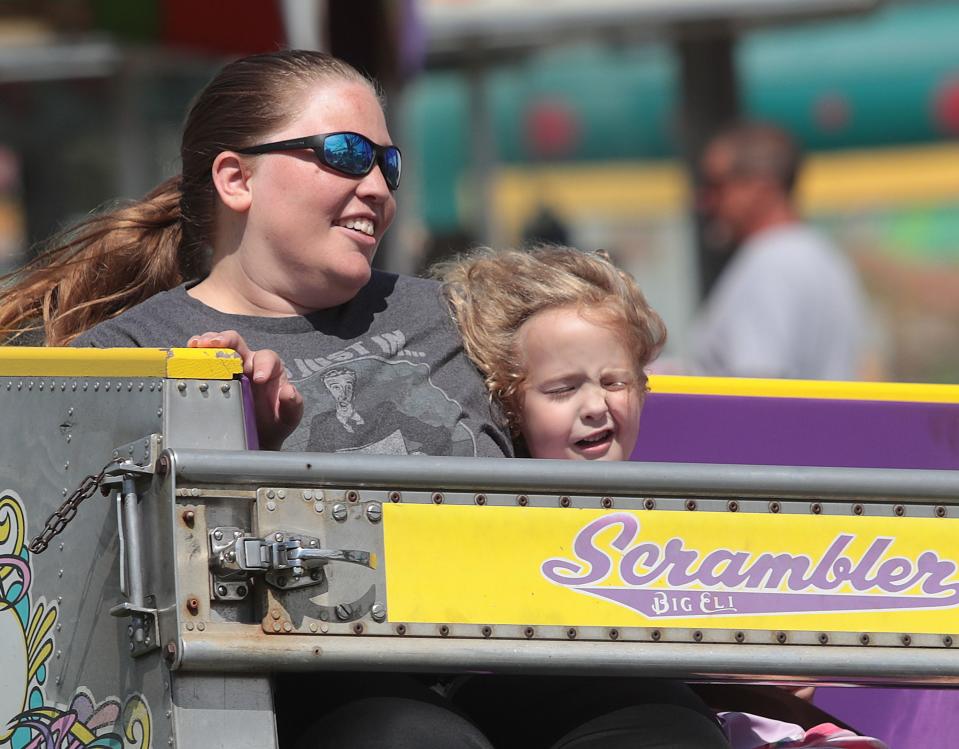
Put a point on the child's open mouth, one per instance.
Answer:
(596, 440)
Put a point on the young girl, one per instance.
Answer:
(563, 339)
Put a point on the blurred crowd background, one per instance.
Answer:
(541, 119)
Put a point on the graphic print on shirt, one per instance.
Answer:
(377, 396)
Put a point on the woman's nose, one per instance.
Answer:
(374, 186)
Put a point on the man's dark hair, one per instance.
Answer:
(764, 150)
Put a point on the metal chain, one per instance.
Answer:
(66, 512)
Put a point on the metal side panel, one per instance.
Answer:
(223, 711)
(66, 663)
(204, 414)
(724, 572)
(63, 654)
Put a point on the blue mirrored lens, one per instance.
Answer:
(392, 166)
(349, 152)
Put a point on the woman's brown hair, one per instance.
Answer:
(493, 292)
(116, 259)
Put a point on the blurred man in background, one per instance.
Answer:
(788, 304)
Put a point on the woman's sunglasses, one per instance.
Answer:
(348, 153)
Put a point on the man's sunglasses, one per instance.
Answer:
(348, 153)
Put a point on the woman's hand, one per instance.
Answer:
(277, 404)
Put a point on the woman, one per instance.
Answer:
(285, 233)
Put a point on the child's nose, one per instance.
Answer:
(594, 404)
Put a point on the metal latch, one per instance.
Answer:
(143, 629)
(287, 559)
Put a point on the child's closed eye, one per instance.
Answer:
(618, 383)
(559, 392)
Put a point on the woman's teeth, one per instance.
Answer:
(363, 225)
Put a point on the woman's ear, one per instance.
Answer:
(231, 178)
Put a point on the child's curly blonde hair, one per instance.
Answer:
(493, 292)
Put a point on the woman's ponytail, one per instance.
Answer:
(99, 268)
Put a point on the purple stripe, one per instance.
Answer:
(671, 604)
(798, 432)
(249, 415)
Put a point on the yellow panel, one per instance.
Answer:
(744, 386)
(210, 364)
(203, 363)
(708, 570)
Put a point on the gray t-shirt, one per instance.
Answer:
(788, 305)
(384, 373)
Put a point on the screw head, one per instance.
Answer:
(217, 534)
(378, 612)
(339, 512)
(221, 590)
(374, 512)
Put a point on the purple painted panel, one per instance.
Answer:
(798, 431)
(903, 718)
(815, 432)
(249, 415)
